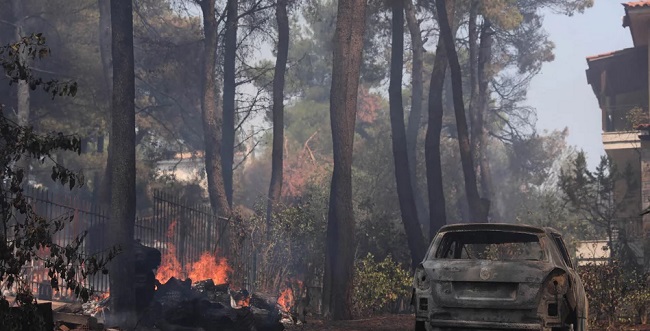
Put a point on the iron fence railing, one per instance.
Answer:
(191, 228)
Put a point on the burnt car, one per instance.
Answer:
(498, 277)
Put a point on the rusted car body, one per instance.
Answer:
(498, 277)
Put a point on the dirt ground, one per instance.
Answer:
(379, 323)
(399, 323)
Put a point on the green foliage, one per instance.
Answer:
(378, 285)
(594, 195)
(15, 57)
(28, 237)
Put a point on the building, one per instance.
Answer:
(619, 80)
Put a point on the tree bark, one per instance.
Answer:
(103, 190)
(400, 157)
(122, 271)
(478, 211)
(275, 187)
(212, 114)
(415, 115)
(484, 76)
(339, 256)
(472, 40)
(437, 207)
(229, 87)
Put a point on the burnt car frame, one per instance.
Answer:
(498, 277)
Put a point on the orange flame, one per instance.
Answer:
(286, 300)
(170, 267)
(210, 267)
(99, 296)
(243, 302)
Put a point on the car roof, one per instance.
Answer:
(506, 227)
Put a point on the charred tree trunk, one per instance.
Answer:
(339, 253)
(478, 210)
(122, 271)
(415, 116)
(484, 76)
(437, 208)
(230, 56)
(402, 171)
(212, 114)
(22, 95)
(102, 194)
(275, 188)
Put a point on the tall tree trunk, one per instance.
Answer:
(484, 76)
(415, 115)
(212, 113)
(122, 271)
(275, 187)
(102, 194)
(478, 210)
(437, 208)
(22, 96)
(230, 56)
(472, 40)
(339, 253)
(402, 171)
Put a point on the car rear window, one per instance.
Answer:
(490, 245)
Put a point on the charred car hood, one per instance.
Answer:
(486, 284)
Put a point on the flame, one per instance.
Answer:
(99, 296)
(242, 302)
(210, 267)
(169, 266)
(286, 300)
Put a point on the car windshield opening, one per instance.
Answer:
(490, 245)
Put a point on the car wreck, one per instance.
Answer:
(498, 277)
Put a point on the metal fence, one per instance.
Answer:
(190, 228)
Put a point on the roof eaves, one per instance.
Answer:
(637, 4)
(610, 54)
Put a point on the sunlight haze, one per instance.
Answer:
(560, 92)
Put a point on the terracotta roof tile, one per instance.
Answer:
(608, 54)
(634, 4)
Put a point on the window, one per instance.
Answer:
(560, 245)
(490, 245)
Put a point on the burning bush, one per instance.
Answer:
(378, 286)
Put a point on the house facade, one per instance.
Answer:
(619, 80)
